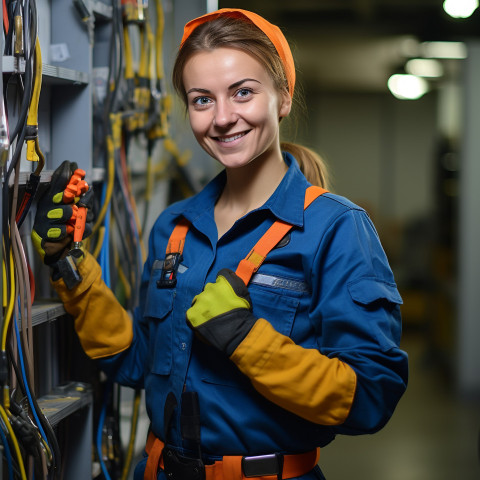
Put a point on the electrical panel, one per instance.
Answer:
(84, 81)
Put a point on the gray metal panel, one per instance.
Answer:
(469, 234)
(71, 108)
(71, 112)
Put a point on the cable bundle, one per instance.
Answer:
(29, 443)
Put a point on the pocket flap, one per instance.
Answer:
(370, 290)
(159, 302)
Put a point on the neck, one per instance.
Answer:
(251, 186)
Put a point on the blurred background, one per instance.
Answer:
(406, 148)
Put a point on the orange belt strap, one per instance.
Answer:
(154, 449)
(230, 467)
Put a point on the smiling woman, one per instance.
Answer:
(269, 317)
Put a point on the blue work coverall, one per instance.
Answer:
(327, 286)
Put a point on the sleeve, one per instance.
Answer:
(356, 377)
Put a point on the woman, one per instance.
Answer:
(302, 342)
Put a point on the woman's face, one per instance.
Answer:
(233, 106)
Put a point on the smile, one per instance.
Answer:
(231, 138)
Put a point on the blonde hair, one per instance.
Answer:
(240, 33)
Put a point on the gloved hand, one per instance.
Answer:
(51, 235)
(222, 314)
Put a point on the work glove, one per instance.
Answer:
(222, 314)
(54, 220)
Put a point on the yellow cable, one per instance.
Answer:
(149, 186)
(133, 434)
(16, 446)
(4, 293)
(129, 74)
(121, 274)
(11, 303)
(151, 50)
(159, 39)
(113, 142)
(32, 118)
(98, 246)
(143, 64)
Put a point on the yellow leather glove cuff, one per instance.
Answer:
(300, 380)
(102, 324)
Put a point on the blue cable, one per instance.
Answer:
(104, 259)
(104, 262)
(101, 421)
(8, 454)
(27, 389)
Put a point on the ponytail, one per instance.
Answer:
(311, 164)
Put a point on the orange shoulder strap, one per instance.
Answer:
(176, 241)
(251, 263)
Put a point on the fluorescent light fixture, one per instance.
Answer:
(407, 87)
(424, 67)
(460, 8)
(453, 50)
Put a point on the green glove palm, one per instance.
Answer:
(49, 235)
(222, 314)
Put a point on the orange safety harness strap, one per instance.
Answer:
(251, 263)
(176, 241)
(230, 467)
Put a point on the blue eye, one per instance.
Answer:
(244, 92)
(201, 101)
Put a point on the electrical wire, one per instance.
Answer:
(7, 453)
(101, 423)
(133, 431)
(14, 440)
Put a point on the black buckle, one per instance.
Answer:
(178, 467)
(263, 465)
(168, 277)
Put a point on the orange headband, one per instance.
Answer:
(271, 31)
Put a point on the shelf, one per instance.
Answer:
(96, 175)
(52, 74)
(46, 312)
(64, 401)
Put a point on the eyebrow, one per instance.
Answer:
(231, 87)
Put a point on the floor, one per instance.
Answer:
(432, 435)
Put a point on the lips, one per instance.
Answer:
(231, 138)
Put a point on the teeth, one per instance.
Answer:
(230, 139)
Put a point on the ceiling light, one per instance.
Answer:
(407, 87)
(454, 50)
(424, 67)
(460, 8)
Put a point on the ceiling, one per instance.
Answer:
(355, 45)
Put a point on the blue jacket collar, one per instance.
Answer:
(286, 203)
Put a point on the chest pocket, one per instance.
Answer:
(158, 312)
(279, 309)
(268, 303)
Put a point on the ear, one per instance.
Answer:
(285, 105)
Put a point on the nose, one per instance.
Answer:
(224, 114)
